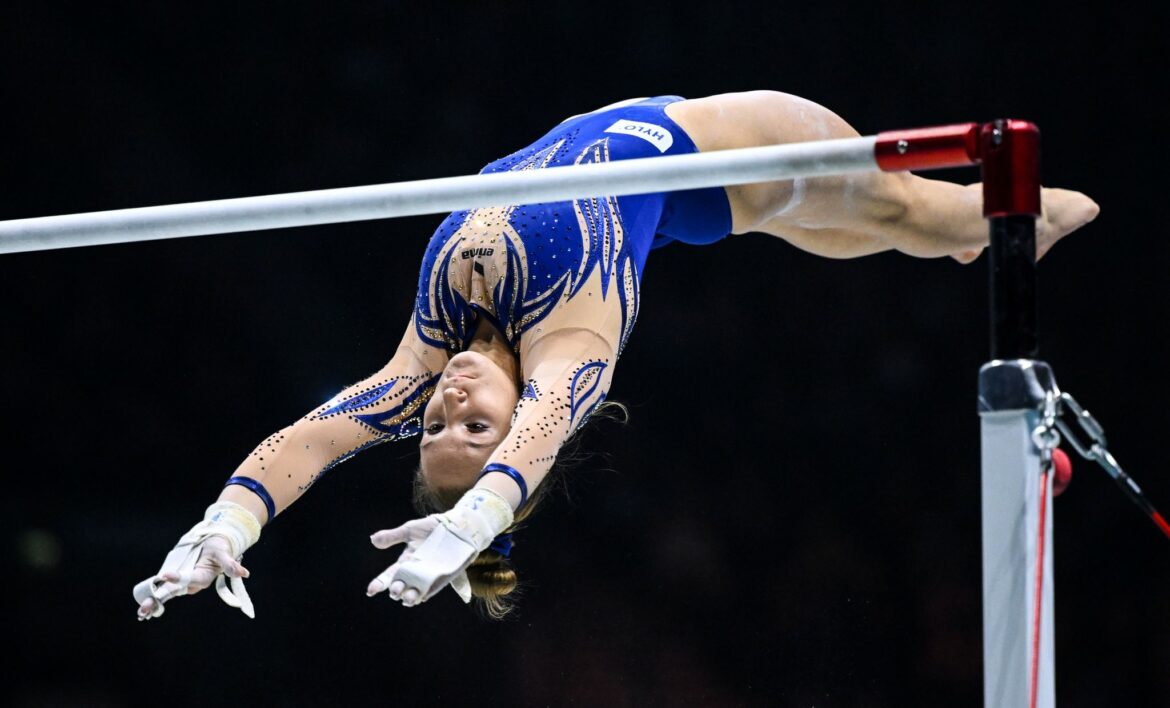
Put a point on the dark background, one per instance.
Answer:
(791, 515)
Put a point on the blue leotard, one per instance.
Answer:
(512, 265)
(560, 281)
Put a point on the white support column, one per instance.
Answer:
(1011, 396)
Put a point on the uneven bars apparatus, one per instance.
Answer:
(1013, 387)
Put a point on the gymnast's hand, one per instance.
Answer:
(210, 552)
(215, 559)
(439, 548)
(422, 569)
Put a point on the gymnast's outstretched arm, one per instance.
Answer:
(383, 407)
(567, 376)
(853, 215)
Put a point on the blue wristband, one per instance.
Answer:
(519, 480)
(259, 490)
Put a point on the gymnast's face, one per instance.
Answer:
(465, 420)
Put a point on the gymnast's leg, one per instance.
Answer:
(854, 215)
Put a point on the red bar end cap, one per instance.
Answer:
(1010, 150)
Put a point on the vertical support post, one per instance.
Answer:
(1012, 265)
(1010, 150)
(1018, 637)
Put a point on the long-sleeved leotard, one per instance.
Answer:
(559, 280)
(387, 405)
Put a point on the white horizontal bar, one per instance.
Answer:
(446, 194)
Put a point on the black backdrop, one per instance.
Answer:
(790, 517)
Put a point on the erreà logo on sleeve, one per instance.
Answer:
(656, 135)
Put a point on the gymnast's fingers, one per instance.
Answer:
(223, 560)
(169, 589)
(411, 597)
(382, 582)
(390, 537)
(146, 609)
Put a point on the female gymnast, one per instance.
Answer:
(521, 315)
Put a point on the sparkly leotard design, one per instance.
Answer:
(560, 281)
(514, 264)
